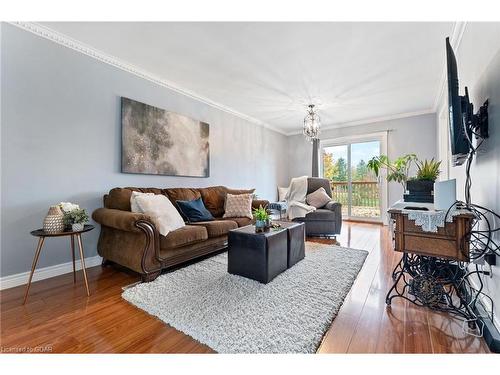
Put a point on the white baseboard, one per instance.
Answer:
(487, 305)
(11, 281)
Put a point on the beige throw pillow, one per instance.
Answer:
(133, 204)
(318, 198)
(163, 213)
(238, 206)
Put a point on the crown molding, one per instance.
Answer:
(101, 56)
(371, 120)
(455, 40)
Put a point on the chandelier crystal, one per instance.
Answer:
(312, 124)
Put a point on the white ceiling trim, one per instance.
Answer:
(371, 120)
(455, 39)
(78, 46)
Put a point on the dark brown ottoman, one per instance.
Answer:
(296, 248)
(257, 256)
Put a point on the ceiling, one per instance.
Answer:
(271, 71)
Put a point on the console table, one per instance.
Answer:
(433, 269)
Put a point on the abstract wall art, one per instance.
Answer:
(156, 141)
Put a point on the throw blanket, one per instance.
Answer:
(296, 198)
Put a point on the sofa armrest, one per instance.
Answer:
(333, 206)
(119, 219)
(256, 203)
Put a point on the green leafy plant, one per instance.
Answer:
(428, 170)
(75, 216)
(397, 170)
(260, 214)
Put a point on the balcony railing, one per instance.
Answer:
(364, 193)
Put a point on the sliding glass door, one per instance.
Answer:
(344, 163)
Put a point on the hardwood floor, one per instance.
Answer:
(59, 316)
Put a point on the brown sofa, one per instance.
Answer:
(131, 239)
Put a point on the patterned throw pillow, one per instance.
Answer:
(239, 205)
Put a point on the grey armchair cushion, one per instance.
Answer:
(332, 206)
(320, 214)
(314, 183)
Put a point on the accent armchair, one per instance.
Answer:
(325, 221)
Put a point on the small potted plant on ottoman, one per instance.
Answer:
(261, 217)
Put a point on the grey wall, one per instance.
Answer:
(407, 135)
(60, 141)
(482, 76)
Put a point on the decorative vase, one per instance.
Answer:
(54, 221)
(77, 227)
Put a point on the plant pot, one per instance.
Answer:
(260, 225)
(420, 186)
(420, 191)
(77, 227)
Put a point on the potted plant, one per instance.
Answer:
(261, 217)
(421, 187)
(416, 189)
(397, 170)
(74, 216)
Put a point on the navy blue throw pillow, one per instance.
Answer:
(194, 211)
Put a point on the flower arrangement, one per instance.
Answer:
(74, 216)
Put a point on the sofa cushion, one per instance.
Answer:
(182, 194)
(214, 197)
(194, 211)
(217, 228)
(241, 221)
(118, 199)
(184, 236)
(320, 214)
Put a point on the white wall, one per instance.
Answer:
(60, 141)
(406, 135)
(478, 57)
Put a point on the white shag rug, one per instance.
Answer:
(233, 314)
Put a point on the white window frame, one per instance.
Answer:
(349, 140)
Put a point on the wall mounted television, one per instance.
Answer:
(462, 120)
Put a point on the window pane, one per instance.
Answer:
(335, 169)
(365, 187)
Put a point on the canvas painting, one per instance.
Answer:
(156, 141)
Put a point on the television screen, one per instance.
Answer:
(459, 143)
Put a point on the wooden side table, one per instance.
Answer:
(41, 234)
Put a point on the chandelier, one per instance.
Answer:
(312, 123)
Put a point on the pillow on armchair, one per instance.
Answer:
(318, 198)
